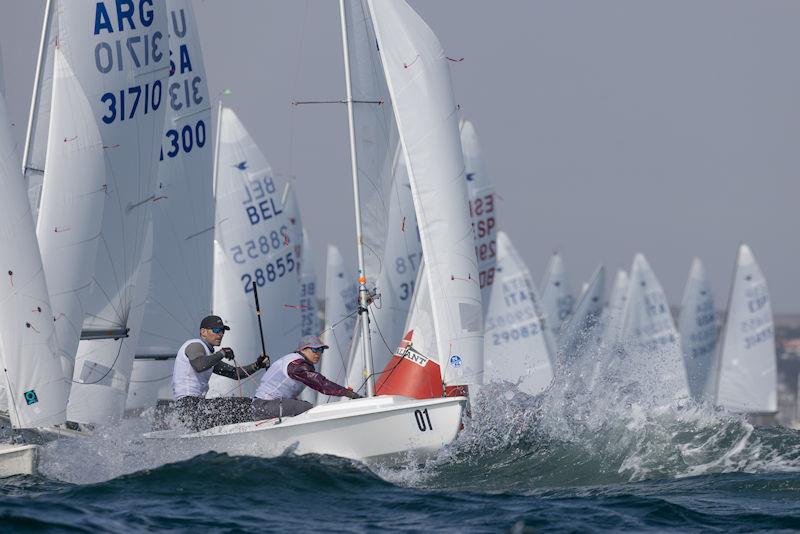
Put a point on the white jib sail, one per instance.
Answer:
(121, 60)
(482, 212)
(36, 141)
(341, 302)
(392, 248)
(648, 332)
(557, 297)
(72, 203)
(181, 278)
(260, 233)
(517, 348)
(698, 329)
(580, 332)
(747, 375)
(418, 78)
(32, 377)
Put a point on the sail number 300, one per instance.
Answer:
(423, 419)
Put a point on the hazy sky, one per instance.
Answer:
(671, 127)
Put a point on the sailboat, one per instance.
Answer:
(697, 326)
(179, 286)
(648, 340)
(517, 347)
(340, 318)
(32, 379)
(579, 333)
(387, 427)
(557, 297)
(260, 239)
(746, 376)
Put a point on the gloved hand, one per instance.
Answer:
(262, 362)
(350, 394)
(227, 353)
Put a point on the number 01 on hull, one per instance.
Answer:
(382, 429)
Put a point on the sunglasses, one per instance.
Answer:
(218, 330)
(318, 350)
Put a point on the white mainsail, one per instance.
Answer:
(648, 330)
(746, 378)
(517, 348)
(32, 377)
(482, 209)
(181, 278)
(260, 235)
(122, 63)
(698, 330)
(579, 333)
(614, 313)
(557, 297)
(418, 78)
(341, 301)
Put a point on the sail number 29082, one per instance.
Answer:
(423, 419)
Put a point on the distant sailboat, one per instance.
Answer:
(746, 379)
(698, 330)
(261, 237)
(517, 348)
(648, 332)
(482, 209)
(579, 333)
(557, 297)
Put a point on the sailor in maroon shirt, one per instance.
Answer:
(285, 379)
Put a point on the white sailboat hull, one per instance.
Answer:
(18, 460)
(383, 428)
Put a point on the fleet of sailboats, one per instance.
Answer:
(128, 224)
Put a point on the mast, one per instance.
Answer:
(363, 293)
(34, 100)
(216, 146)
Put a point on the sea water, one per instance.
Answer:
(594, 453)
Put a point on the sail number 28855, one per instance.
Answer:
(271, 272)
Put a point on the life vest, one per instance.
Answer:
(276, 382)
(186, 382)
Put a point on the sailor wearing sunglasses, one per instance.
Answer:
(195, 362)
(286, 378)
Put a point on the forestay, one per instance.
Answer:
(341, 301)
(557, 297)
(418, 79)
(32, 377)
(697, 326)
(120, 57)
(747, 376)
(517, 348)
